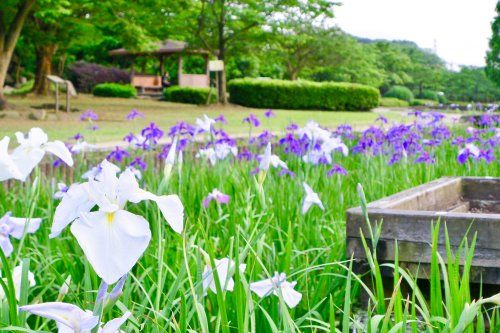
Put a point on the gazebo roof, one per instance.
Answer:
(165, 47)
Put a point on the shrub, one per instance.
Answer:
(114, 90)
(401, 93)
(393, 102)
(423, 102)
(85, 76)
(189, 95)
(429, 94)
(281, 94)
(442, 98)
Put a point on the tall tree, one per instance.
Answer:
(13, 14)
(50, 25)
(222, 22)
(492, 57)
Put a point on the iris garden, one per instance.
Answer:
(213, 233)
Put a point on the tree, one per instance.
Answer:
(50, 25)
(222, 22)
(492, 56)
(13, 15)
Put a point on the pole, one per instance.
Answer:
(57, 96)
(67, 98)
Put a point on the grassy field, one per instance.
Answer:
(113, 126)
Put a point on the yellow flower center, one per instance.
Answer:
(110, 217)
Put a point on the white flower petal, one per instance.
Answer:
(6, 245)
(262, 288)
(8, 169)
(112, 242)
(26, 158)
(18, 226)
(60, 150)
(75, 201)
(290, 296)
(64, 313)
(113, 326)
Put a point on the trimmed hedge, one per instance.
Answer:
(401, 93)
(304, 95)
(85, 76)
(114, 90)
(393, 102)
(429, 94)
(189, 95)
(423, 102)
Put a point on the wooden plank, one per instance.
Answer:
(481, 188)
(417, 226)
(436, 195)
(485, 265)
(460, 207)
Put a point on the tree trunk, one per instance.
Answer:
(4, 65)
(222, 53)
(8, 41)
(44, 55)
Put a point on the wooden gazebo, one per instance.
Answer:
(163, 50)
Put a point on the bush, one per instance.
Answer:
(401, 93)
(189, 95)
(429, 94)
(423, 102)
(442, 98)
(85, 76)
(393, 102)
(114, 90)
(281, 94)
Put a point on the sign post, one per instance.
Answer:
(216, 66)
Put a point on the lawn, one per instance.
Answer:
(113, 126)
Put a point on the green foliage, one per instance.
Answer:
(493, 55)
(23, 89)
(423, 102)
(442, 98)
(281, 94)
(189, 95)
(401, 93)
(429, 94)
(114, 90)
(470, 84)
(393, 102)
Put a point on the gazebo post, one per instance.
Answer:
(161, 65)
(207, 70)
(179, 73)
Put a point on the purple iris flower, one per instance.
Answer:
(382, 119)
(292, 127)
(245, 154)
(88, 115)
(152, 133)
(118, 154)
(134, 113)
(269, 114)
(252, 120)
(286, 172)
(217, 196)
(426, 158)
(77, 137)
(221, 119)
(138, 163)
(129, 137)
(182, 128)
(336, 169)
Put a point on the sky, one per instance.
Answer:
(458, 30)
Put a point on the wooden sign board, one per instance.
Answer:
(216, 65)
